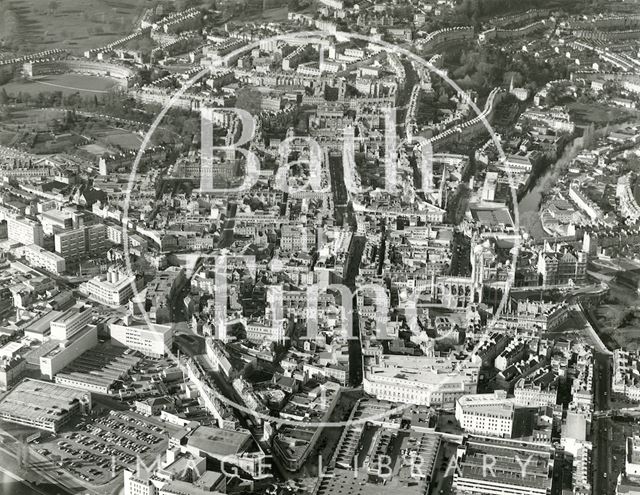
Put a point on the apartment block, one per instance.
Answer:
(25, 231)
(81, 242)
(41, 258)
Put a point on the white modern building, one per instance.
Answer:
(25, 231)
(70, 323)
(421, 380)
(139, 336)
(41, 258)
(68, 350)
(113, 290)
(43, 405)
(493, 415)
(59, 219)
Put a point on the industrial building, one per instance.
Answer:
(43, 405)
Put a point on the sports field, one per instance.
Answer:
(113, 136)
(67, 83)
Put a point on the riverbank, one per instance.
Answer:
(13, 482)
(529, 205)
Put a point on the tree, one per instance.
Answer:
(53, 6)
(6, 74)
(69, 119)
(4, 97)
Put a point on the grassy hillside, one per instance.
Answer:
(33, 25)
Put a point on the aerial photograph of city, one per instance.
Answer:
(350, 247)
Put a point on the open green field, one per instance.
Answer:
(67, 83)
(268, 15)
(118, 137)
(30, 120)
(6, 138)
(599, 114)
(619, 317)
(17, 127)
(32, 128)
(73, 24)
(624, 334)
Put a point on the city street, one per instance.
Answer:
(602, 426)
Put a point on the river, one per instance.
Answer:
(10, 476)
(529, 205)
(10, 486)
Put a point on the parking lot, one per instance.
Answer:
(96, 450)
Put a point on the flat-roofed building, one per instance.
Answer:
(98, 369)
(40, 328)
(43, 405)
(84, 241)
(70, 322)
(179, 474)
(137, 335)
(113, 290)
(68, 350)
(235, 448)
(56, 220)
(11, 349)
(219, 443)
(492, 466)
(139, 483)
(494, 415)
(39, 257)
(489, 187)
(360, 465)
(421, 380)
(25, 231)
